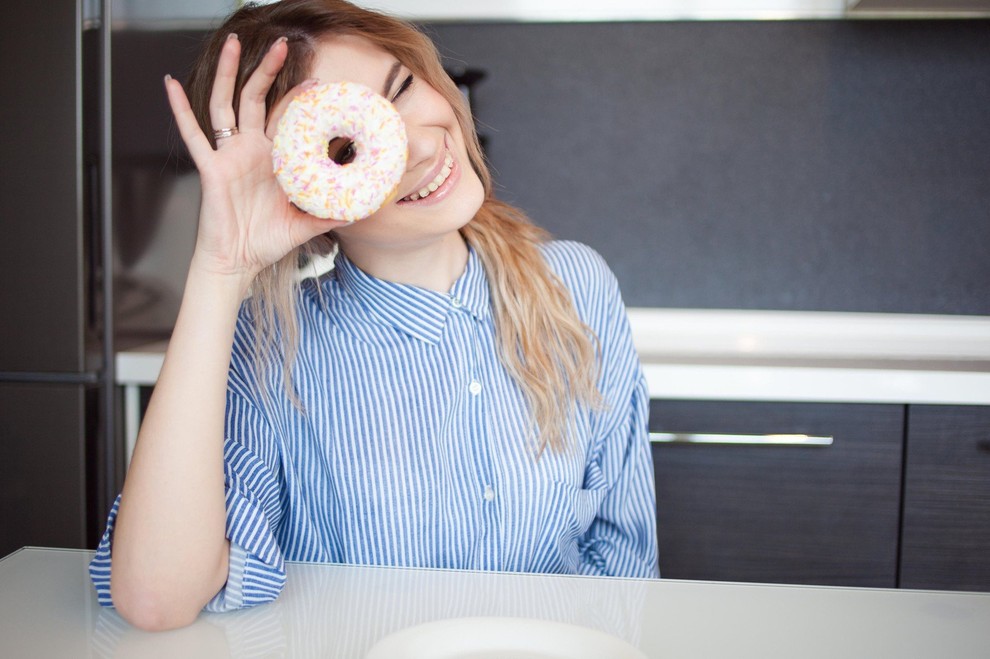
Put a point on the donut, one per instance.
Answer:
(307, 174)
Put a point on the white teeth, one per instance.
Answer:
(435, 184)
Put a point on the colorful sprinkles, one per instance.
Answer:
(307, 174)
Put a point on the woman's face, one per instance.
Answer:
(435, 139)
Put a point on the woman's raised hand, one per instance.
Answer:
(246, 222)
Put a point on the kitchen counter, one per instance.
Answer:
(814, 356)
(48, 609)
(779, 356)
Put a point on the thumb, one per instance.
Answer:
(305, 227)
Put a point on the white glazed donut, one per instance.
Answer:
(307, 174)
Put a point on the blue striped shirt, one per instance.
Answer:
(412, 447)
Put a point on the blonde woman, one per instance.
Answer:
(459, 391)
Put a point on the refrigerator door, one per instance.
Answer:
(43, 472)
(56, 380)
(44, 250)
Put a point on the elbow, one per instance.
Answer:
(150, 611)
(157, 600)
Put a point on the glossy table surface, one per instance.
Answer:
(48, 609)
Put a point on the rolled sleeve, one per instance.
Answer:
(99, 566)
(256, 572)
(622, 539)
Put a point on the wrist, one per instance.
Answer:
(234, 284)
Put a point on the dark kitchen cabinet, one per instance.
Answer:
(946, 536)
(774, 513)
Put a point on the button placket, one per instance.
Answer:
(490, 558)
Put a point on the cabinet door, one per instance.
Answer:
(946, 541)
(776, 513)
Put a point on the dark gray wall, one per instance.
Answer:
(828, 165)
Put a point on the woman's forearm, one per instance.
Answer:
(169, 552)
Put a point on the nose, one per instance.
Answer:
(425, 147)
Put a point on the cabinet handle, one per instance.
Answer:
(738, 439)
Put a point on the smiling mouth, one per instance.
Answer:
(434, 185)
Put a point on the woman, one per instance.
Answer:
(457, 392)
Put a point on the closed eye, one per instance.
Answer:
(403, 87)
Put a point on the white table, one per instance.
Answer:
(48, 609)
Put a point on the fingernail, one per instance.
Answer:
(281, 39)
(168, 76)
(232, 36)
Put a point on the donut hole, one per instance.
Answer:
(341, 150)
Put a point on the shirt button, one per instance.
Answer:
(456, 302)
(489, 493)
(474, 387)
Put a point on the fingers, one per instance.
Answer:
(197, 143)
(251, 110)
(221, 109)
(279, 108)
(222, 94)
(252, 101)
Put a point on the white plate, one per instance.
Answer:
(501, 638)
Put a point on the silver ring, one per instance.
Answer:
(225, 132)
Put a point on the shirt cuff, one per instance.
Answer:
(231, 596)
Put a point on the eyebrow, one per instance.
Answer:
(393, 73)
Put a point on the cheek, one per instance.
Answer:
(475, 189)
(432, 108)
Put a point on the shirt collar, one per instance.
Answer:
(417, 311)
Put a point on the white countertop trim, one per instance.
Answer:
(809, 334)
(812, 384)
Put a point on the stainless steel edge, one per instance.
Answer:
(785, 439)
(106, 189)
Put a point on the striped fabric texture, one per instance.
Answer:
(412, 444)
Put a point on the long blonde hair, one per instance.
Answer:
(543, 344)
